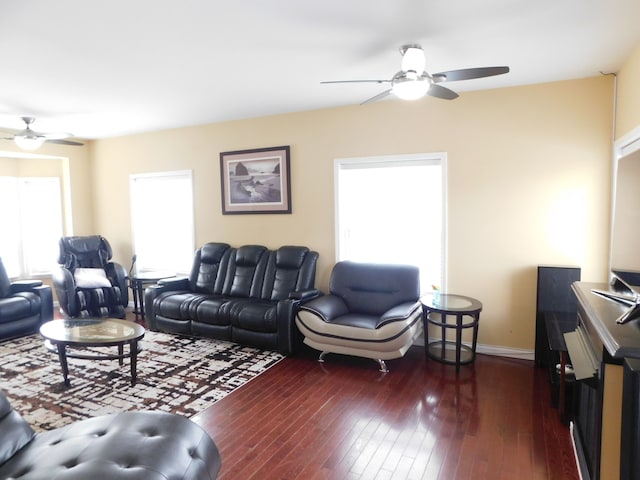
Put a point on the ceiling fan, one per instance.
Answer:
(28, 139)
(413, 82)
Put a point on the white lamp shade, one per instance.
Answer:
(411, 89)
(28, 142)
(413, 60)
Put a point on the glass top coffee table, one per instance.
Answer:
(71, 338)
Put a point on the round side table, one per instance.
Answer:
(137, 282)
(437, 308)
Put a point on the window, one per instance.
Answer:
(162, 217)
(392, 210)
(31, 222)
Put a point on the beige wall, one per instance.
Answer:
(528, 184)
(628, 103)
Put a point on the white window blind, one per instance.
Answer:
(392, 210)
(162, 217)
(31, 217)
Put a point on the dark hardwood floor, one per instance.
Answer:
(345, 420)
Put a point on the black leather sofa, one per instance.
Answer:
(247, 295)
(128, 445)
(24, 305)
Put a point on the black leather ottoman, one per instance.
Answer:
(128, 445)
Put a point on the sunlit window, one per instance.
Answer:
(392, 210)
(31, 219)
(162, 216)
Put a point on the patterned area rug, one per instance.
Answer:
(176, 374)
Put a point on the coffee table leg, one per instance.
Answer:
(133, 346)
(121, 354)
(62, 355)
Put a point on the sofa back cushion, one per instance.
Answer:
(245, 272)
(374, 288)
(209, 266)
(15, 432)
(289, 269)
(92, 251)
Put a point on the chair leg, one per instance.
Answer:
(383, 366)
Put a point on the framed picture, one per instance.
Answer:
(256, 181)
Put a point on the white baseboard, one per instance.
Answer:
(520, 353)
(498, 351)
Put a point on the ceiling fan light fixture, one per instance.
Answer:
(413, 59)
(28, 142)
(407, 88)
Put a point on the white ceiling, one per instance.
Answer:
(101, 69)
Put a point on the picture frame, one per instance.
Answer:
(256, 181)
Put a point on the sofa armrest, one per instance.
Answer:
(400, 312)
(65, 286)
(305, 295)
(24, 285)
(286, 310)
(153, 291)
(173, 283)
(118, 276)
(327, 307)
(46, 302)
(43, 291)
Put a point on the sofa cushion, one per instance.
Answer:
(210, 259)
(374, 288)
(246, 271)
(256, 315)
(178, 305)
(211, 310)
(19, 305)
(283, 272)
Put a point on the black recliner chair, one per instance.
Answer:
(88, 283)
(24, 305)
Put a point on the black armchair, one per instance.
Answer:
(24, 305)
(88, 283)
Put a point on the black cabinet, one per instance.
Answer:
(629, 458)
(605, 427)
(554, 295)
(556, 314)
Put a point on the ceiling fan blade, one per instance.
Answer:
(55, 136)
(377, 97)
(63, 142)
(358, 81)
(439, 91)
(469, 73)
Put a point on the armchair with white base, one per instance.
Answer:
(371, 311)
